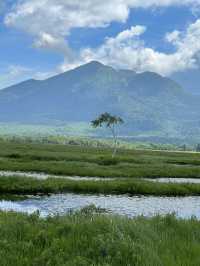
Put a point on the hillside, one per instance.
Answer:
(149, 103)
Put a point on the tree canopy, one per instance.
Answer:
(107, 119)
(110, 121)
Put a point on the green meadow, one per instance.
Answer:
(29, 186)
(91, 239)
(76, 160)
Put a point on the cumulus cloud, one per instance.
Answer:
(57, 17)
(57, 44)
(173, 37)
(127, 50)
(51, 21)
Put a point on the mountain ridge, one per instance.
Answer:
(147, 101)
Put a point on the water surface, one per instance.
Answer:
(184, 207)
(175, 180)
(43, 176)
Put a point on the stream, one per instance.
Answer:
(184, 207)
(43, 176)
(174, 180)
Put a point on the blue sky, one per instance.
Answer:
(40, 38)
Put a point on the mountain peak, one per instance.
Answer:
(95, 63)
(147, 101)
(90, 67)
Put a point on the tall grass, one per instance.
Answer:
(26, 186)
(87, 161)
(98, 240)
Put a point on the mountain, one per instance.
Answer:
(149, 103)
(190, 79)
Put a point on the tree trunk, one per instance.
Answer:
(115, 148)
(115, 142)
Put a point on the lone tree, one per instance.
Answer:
(109, 121)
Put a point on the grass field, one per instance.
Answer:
(29, 186)
(87, 161)
(88, 239)
(128, 167)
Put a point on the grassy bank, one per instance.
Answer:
(87, 161)
(98, 240)
(26, 186)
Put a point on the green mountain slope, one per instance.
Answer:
(149, 103)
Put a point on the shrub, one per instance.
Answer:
(108, 161)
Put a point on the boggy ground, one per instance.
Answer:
(88, 237)
(128, 167)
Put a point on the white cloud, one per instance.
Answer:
(126, 35)
(56, 18)
(173, 37)
(127, 50)
(50, 23)
(13, 74)
(56, 44)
